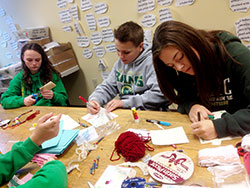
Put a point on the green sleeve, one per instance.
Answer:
(12, 98)
(20, 154)
(52, 175)
(60, 95)
(237, 123)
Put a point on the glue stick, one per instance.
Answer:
(135, 115)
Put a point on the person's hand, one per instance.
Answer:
(47, 127)
(204, 129)
(95, 107)
(29, 101)
(204, 112)
(113, 104)
(47, 94)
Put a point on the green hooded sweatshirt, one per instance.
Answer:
(52, 175)
(15, 94)
(235, 97)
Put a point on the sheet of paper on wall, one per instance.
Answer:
(100, 118)
(119, 174)
(217, 141)
(237, 6)
(174, 136)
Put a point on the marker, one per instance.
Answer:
(135, 115)
(174, 146)
(159, 122)
(211, 117)
(88, 104)
(199, 116)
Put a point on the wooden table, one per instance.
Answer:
(105, 147)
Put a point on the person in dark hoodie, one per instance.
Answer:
(132, 77)
(204, 71)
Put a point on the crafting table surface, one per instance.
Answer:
(106, 146)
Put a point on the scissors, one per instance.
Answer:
(36, 95)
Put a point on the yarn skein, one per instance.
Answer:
(130, 146)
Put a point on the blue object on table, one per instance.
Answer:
(159, 122)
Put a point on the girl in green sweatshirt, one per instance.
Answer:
(204, 71)
(37, 71)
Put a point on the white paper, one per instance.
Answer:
(107, 35)
(61, 3)
(103, 22)
(96, 38)
(68, 122)
(78, 28)
(104, 74)
(3, 44)
(86, 5)
(102, 117)
(148, 20)
(243, 28)
(70, 1)
(73, 10)
(90, 19)
(148, 36)
(240, 5)
(8, 20)
(145, 5)
(87, 53)
(179, 3)
(13, 45)
(65, 16)
(165, 15)
(83, 41)
(6, 36)
(99, 51)
(111, 48)
(2, 12)
(101, 8)
(164, 2)
(8, 55)
(113, 176)
(170, 136)
(67, 28)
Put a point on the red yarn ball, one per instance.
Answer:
(131, 146)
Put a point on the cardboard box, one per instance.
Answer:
(59, 49)
(63, 58)
(37, 32)
(41, 41)
(63, 61)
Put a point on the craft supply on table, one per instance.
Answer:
(130, 146)
(159, 122)
(170, 167)
(135, 114)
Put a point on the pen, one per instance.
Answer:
(211, 117)
(159, 122)
(88, 104)
(98, 141)
(199, 116)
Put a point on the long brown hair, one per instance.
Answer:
(46, 68)
(208, 71)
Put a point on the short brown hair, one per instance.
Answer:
(130, 31)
